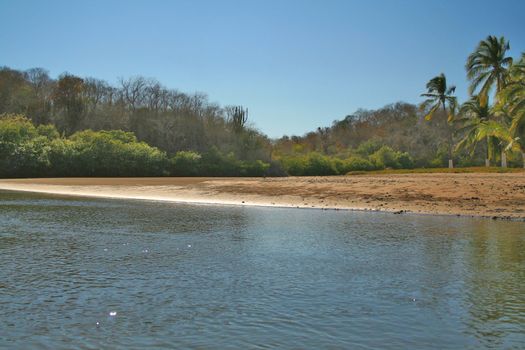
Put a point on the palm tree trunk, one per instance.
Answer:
(487, 160)
(503, 159)
(523, 157)
(450, 146)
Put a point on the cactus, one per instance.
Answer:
(238, 118)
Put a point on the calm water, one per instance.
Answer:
(87, 274)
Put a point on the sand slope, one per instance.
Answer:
(488, 195)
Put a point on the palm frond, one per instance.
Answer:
(430, 113)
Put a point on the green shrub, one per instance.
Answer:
(215, 163)
(385, 157)
(358, 164)
(311, 164)
(404, 160)
(253, 168)
(319, 165)
(294, 165)
(368, 148)
(49, 131)
(186, 163)
(15, 128)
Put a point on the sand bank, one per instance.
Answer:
(487, 195)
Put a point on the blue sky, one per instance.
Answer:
(296, 65)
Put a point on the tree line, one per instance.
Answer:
(498, 128)
(168, 119)
(439, 132)
(27, 150)
(74, 126)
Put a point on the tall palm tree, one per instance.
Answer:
(440, 95)
(512, 104)
(488, 65)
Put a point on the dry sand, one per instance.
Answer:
(492, 195)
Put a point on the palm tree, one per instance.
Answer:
(512, 104)
(440, 95)
(488, 65)
(478, 124)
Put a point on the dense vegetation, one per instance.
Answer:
(75, 126)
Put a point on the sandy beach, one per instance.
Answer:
(491, 195)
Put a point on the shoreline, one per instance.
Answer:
(496, 196)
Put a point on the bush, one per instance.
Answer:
(49, 131)
(311, 164)
(186, 163)
(368, 148)
(294, 165)
(215, 163)
(404, 160)
(358, 164)
(385, 157)
(253, 168)
(319, 165)
(23, 153)
(15, 128)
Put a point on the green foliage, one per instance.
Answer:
(404, 160)
(22, 150)
(215, 163)
(116, 153)
(253, 168)
(49, 131)
(386, 157)
(369, 147)
(309, 164)
(15, 128)
(29, 151)
(358, 164)
(318, 164)
(488, 66)
(186, 163)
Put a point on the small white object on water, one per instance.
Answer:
(105, 249)
(413, 299)
(145, 251)
(112, 313)
(98, 323)
(189, 245)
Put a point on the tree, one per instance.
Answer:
(512, 104)
(68, 96)
(488, 65)
(42, 86)
(440, 95)
(478, 124)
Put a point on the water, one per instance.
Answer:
(88, 274)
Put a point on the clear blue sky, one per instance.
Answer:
(296, 65)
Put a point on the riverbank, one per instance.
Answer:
(491, 195)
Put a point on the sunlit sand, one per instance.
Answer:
(486, 195)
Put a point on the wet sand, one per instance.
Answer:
(491, 195)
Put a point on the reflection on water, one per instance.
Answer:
(82, 273)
